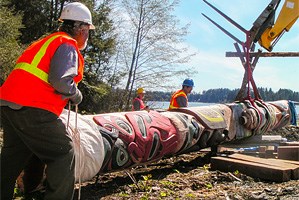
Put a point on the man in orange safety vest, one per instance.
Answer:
(179, 98)
(33, 96)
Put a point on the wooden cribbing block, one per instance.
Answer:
(287, 161)
(262, 171)
(288, 152)
(262, 149)
(294, 167)
(289, 144)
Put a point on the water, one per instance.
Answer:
(165, 104)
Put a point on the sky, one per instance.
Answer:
(214, 70)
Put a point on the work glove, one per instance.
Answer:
(76, 98)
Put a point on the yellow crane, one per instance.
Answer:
(269, 30)
(266, 31)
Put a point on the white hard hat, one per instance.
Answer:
(77, 12)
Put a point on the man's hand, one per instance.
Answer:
(76, 98)
(146, 108)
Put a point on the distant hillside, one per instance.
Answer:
(224, 95)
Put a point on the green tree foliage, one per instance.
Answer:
(132, 48)
(158, 96)
(40, 17)
(100, 76)
(224, 95)
(94, 94)
(101, 45)
(37, 19)
(215, 95)
(10, 23)
(286, 94)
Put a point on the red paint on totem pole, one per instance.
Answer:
(155, 136)
(118, 122)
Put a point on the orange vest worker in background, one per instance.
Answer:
(179, 98)
(138, 103)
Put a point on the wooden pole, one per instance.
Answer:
(263, 54)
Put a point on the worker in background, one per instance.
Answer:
(179, 98)
(138, 103)
(33, 96)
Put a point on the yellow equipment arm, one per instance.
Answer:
(285, 20)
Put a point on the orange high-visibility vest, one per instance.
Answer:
(28, 85)
(142, 106)
(173, 101)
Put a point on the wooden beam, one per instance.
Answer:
(288, 152)
(271, 162)
(258, 170)
(263, 54)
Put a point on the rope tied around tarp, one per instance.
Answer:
(77, 145)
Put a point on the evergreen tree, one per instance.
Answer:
(36, 18)
(10, 48)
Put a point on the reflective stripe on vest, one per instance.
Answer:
(32, 68)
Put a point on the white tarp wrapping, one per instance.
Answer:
(89, 153)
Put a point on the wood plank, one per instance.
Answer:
(288, 152)
(271, 162)
(257, 170)
(295, 143)
(255, 140)
(288, 161)
(263, 54)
